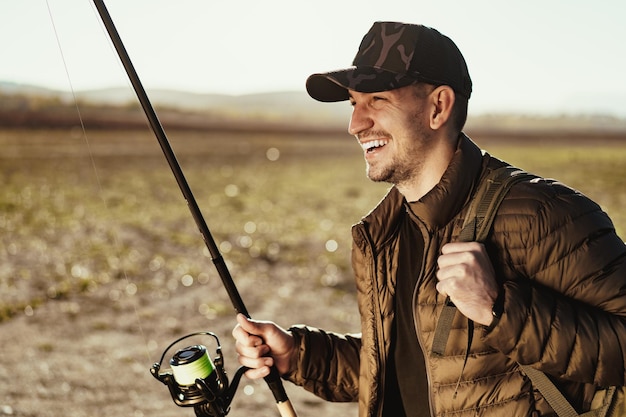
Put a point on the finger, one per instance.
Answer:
(245, 339)
(253, 327)
(441, 288)
(257, 373)
(245, 323)
(246, 331)
(466, 255)
(256, 362)
(455, 247)
(251, 347)
(454, 270)
(239, 333)
(451, 256)
(252, 351)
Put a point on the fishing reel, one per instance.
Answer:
(197, 381)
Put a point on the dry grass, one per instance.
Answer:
(101, 265)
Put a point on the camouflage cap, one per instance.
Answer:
(394, 55)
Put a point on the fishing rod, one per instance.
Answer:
(273, 379)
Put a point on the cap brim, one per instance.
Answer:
(334, 85)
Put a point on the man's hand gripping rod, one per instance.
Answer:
(273, 379)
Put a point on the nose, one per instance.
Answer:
(360, 120)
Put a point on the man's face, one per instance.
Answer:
(393, 131)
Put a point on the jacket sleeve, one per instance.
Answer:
(327, 364)
(565, 311)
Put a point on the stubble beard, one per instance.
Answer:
(403, 166)
(384, 173)
(394, 172)
(406, 163)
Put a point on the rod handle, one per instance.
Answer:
(286, 409)
(275, 383)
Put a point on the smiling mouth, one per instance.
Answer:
(372, 145)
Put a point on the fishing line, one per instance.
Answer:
(190, 364)
(204, 386)
(116, 242)
(206, 406)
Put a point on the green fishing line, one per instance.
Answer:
(191, 363)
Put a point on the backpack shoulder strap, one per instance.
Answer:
(476, 227)
(562, 406)
(486, 201)
(550, 392)
(478, 221)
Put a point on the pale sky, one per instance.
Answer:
(534, 56)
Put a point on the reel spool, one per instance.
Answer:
(197, 381)
(191, 363)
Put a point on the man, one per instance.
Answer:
(546, 289)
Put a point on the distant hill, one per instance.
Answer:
(26, 105)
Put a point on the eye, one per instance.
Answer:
(377, 101)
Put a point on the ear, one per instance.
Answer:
(442, 100)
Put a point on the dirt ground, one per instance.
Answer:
(90, 356)
(87, 352)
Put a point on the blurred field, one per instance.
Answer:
(101, 265)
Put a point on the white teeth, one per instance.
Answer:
(373, 144)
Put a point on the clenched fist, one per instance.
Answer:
(466, 275)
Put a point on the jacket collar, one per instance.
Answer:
(439, 206)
